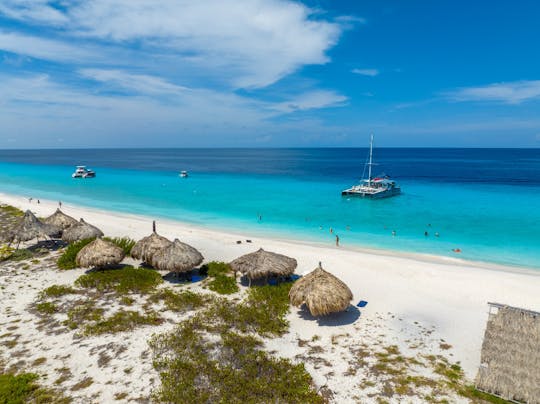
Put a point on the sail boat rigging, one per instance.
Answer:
(374, 188)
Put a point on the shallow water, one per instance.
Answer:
(485, 202)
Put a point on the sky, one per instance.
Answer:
(269, 73)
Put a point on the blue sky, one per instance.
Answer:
(264, 73)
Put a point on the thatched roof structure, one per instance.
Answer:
(80, 231)
(29, 228)
(321, 292)
(510, 358)
(145, 248)
(261, 264)
(61, 220)
(99, 254)
(177, 257)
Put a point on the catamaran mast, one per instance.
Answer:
(370, 159)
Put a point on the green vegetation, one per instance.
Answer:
(83, 313)
(220, 280)
(232, 368)
(46, 307)
(122, 281)
(125, 243)
(67, 259)
(22, 388)
(20, 255)
(11, 211)
(122, 321)
(179, 302)
(56, 291)
(5, 252)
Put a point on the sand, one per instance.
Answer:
(430, 300)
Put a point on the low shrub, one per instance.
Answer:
(46, 308)
(20, 255)
(125, 243)
(180, 302)
(11, 210)
(56, 291)
(122, 321)
(224, 285)
(23, 388)
(67, 259)
(124, 280)
(232, 368)
(5, 252)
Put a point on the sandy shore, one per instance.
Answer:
(443, 298)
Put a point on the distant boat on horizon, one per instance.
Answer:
(83, 172)
(373, 188)
(183, 174)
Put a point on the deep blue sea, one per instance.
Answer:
(485, 202)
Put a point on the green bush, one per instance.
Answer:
(124, 280)
(5, 252)
(125, 243)
(122, 321)
(223, 284)
(179, 302)
(231, 368)
(67, 259)
(22, 388)
(56, 291)
(46, 307)
(20, 255)
(11, 210)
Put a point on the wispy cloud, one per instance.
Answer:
(366, 72)
(311, 100)
(257, 42)
(514, 92)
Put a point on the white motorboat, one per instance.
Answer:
(183, 174)
(83, 172)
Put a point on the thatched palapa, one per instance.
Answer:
(80, 231)
(321, 292)
(177, 257)
(99, 254)
(60, 220)
(510, 357)
(29, 228)
(262, 264)
(145, 248)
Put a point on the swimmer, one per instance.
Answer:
(426, 233)
(436, 234)
(393, 233)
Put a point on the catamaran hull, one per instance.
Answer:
(376, 195)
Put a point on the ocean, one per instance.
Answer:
(485, 202)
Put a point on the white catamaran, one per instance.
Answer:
(374, 188)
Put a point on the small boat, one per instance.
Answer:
(183, 174)
(373, 188)
(83, 172)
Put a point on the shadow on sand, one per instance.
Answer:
(51, 245)
(346, 317)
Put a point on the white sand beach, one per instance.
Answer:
(430, 302)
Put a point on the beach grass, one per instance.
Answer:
(125, 243)
(23, 388)
(122, 281)
(178, 301)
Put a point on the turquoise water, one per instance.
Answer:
(494, 222)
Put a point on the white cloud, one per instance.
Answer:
(253, 43)
(366, 72)
(311, 100)
(46, 49)
(514, 92)
(140, 83)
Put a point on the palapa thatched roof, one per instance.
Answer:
(145, 248)
(61, 220)
(261, 264)
(510, 357)
(29, 228)
(80, 231)
(321, 292)
(98, 254)
(177, 257)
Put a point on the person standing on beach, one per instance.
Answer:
(337, 240)
(60, 204)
